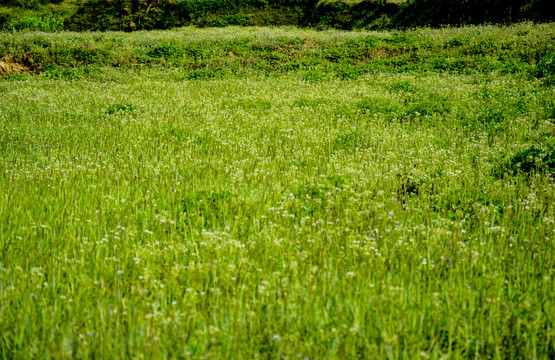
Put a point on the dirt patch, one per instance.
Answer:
(286, 48)
(310, 44)
(9, 66)
(307, 44)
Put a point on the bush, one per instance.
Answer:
(47, 22)
(546, 66)
(538, 10)
(165, 51)
(132, 15)
(466, 12)
(4, 20)
(530, 161)
(28, 4)
(126, 15)
(218, 13)
(347, 15)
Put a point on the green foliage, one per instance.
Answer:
(434, 106)
(546, 67)
(47, 23)
(537, 10)
(376, 105)
(28, 4)
(116, 108)
(211, 209)
(130, 15)
(456, 12)
(316, 55)
(341, 14)
(530, 161)
(142, 14)
(218, 13)
(405, 86)
(56, 72)
(165, 51)
(36, 15)
(127, 15)
(349, 141)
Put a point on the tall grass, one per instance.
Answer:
(154, 212)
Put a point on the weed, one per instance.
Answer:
(529, 161)
(166, 52)
(116, 108)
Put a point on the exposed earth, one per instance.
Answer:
(9, 66)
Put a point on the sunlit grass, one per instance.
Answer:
(269, 214)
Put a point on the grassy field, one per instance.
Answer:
(278, 193)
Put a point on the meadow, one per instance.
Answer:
(278, 193)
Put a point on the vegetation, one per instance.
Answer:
(130, 15)
(47, 22)
(457, 12)
(278, 193)
(42, 15)
(528, 50)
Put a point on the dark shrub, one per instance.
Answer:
(529, 161)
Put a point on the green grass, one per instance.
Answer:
(340, 209)
(217, 52)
